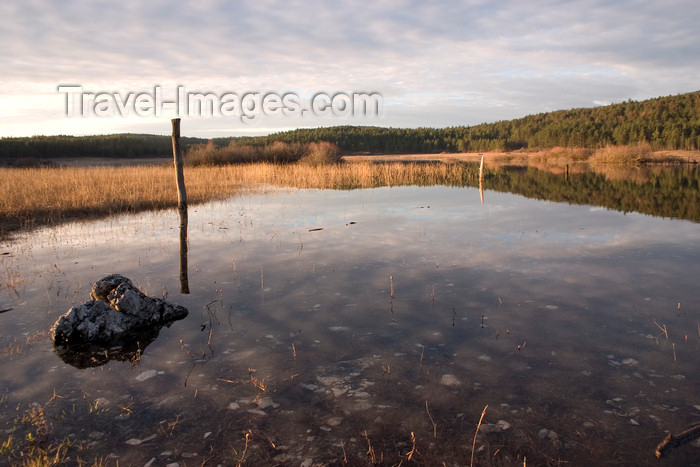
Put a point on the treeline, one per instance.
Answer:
(118, 145)
(671, 122)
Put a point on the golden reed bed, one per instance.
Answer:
(40, 196)
(44, 195)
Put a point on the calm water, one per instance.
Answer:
(295, 351)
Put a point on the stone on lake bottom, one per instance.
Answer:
(146, 375)
(450, 380)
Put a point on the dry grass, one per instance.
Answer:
(278, 152)
(546, 159)
(45, 195)
(39, 196)
(621, 155)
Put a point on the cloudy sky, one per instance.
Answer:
(434, 64)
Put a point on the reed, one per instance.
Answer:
(39, 196)
(477, 434)
(630, 155)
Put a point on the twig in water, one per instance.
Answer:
(258, 383)
(54, 397)
(431, 420)
(413, 449)
(187, 349)
(370, 450)
(345, 456)
(477, 433)
(391, 281)
(189, 373)
(245, 449)
(272, 443)
(294, 351)
(673, 441)
(663, 329)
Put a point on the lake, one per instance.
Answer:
(368, 325)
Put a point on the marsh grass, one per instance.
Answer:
(31, 441)
(45, 196)
(630, 155)
(49, 195)
(319, 153)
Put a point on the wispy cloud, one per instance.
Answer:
(436, 63)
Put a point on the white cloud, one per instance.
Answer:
(442, 63)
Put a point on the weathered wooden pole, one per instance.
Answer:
(181, 205)
(481, 179)
(179, 176)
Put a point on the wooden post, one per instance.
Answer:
(181, 205)
(179, 176)
(481, 179)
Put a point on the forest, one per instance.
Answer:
(670, 122)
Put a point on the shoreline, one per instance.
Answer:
(519, 157)
(147, 182)
(554, 156)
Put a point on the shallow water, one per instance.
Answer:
(295, 351)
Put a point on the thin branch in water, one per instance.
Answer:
(413, 449)
(476, 434)
(663, 329)
(431, 420)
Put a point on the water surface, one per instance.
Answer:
(296, 351)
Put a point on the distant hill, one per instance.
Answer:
(671, 122)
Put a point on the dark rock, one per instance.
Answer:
(117, 309)
(103, 287)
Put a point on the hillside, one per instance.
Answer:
(671, 122)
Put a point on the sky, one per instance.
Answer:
(102, 67)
